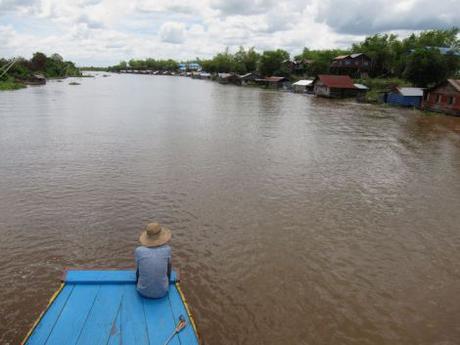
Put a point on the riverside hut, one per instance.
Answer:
(405, 97)
(444, 97)
(205, 75)
(273, 82)
(334, 86)
(228, 78)
(248, 78)
(35, 79)
(361, 92)
(302, 86)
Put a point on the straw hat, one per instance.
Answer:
(154, 235)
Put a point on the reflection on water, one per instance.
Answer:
(296, 220)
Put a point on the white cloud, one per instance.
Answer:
(364, 17)
(106, 31)
(242, 7)
(172, 32)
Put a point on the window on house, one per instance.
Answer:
(366, 63)
(451, 100)
(438, 98)
(347, 62)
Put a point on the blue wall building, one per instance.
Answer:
(405, 97)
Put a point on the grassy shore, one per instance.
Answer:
(10, 84)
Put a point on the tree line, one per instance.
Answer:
(417, 58)
(53, 66)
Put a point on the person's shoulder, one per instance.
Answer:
(140, 250)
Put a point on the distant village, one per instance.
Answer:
(443, 97)
(420, 71)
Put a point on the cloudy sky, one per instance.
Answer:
(103, 32)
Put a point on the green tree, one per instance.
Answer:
(271, 62)
(383, 50)
(246, 60)
(426, 67)
(38, 62)
(57, 57)
(319, 60)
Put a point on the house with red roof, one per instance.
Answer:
(335, 86)
(444, 97)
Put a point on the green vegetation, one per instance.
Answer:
(152, 64)
(421, 59)
(379, 85)
(25, 70)
(241, 62)
(417, 58)
(10, 84)
(318, 61)
(92, 68)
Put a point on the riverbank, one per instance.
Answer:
(17, 73)
(10, 85)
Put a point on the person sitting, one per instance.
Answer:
(153, 260)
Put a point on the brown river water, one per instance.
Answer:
(295, 219)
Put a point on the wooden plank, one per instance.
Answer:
(100, 321)
(73, 316)
(44, 328)
(105, 277)
(133, 324)
(187, 336)
(160, 321)
(100, 277)
(115, 332)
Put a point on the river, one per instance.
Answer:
(295, 219)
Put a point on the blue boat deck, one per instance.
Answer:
(103, 307)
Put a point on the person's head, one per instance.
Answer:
(154, 235)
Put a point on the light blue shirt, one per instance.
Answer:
(152, 265)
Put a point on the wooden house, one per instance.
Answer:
(444, 97)
(248, 78)
(205, 75)
(35, 79)
(361, 92)
(355, 65)
(297, 66)
(228, 78)
(404, 97)
(302, 86)
(272, 82)
(334, 86)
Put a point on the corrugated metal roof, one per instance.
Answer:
(337, 81)
(274, 79)
(411, 91)
(303, 82)
(246, 75)
(340, 57)
(225, 75)
(361, 86)
(455, 83)
(355, 55)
